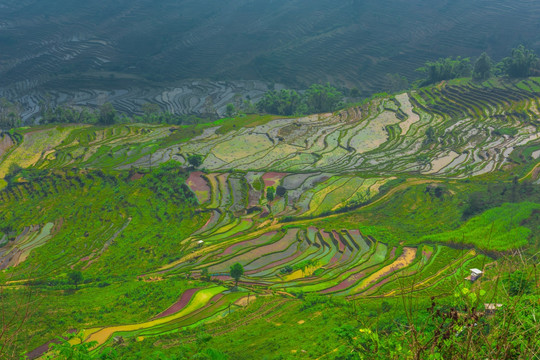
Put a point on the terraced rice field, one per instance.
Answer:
(464, 118)
(324, 166)
(32, 237)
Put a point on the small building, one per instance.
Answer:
(475, 274)
(491, 309)
(199, 244)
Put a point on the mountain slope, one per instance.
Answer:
(369, 203)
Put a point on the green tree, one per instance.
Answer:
(422, 159)
(395, 82)
(270, 193)
(430, 136)
(230, 111)
(236, 271)
(248, 107)
(195, 160)
(204, 274)
(9, 114)
(482, 67)
(354, 93)
(322, 98)
(522, 63)
(107, 114)
(13, 170)
(284, 102)
(445, 69)
(151, 112)
(76, 277)
(517, 283)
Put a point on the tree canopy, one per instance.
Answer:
(270, 193)
(75, 277)
(482, 67)
(522, 63)
(316, 99)
(195, 160)
(236, 271)
(107, 114)
(284, 102)
(9, 114)
(445, 69)
(322, 98)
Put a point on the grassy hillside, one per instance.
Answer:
(374, 207)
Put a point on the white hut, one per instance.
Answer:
(475, 274)
(491, 309)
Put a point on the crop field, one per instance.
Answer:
(367, 208)
(463, 118)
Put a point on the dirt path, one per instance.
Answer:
(537, 166)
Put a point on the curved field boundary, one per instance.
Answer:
(249, 243)
(273, 259)
(198, 301)
(230, 230)
(452, 267)
(406, 258)
(217, 304)
(199, 186)
(283, 243)
(180, 304)
(368, 260)
(20, 249)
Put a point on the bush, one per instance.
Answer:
(445, 69)
(522, 63)
(316, 99)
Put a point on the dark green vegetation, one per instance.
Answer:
(521, 63)
(343, 235)
(237, 270)
(316, 99)
(445, 69)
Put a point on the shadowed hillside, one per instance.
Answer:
(293, 42)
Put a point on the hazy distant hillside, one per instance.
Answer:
(296, 42)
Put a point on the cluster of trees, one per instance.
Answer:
(167, 182)
(445, 69)
(104, 115)
(316, 99)
(497, 194)
(108, 115)
(272, 193)
(10, 114)
(152, 114)
(522, 62)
